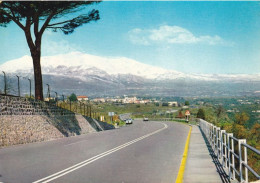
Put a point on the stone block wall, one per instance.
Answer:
(26, 121)
(92, 123)
(106, 126)
(24, 106)
(84, 124)
(103, 125)
(20, 129)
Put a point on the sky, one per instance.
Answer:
(190, 37)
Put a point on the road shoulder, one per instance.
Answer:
(201, 165)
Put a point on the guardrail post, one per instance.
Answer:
(221, 144)
(207, 126)
(211, 134)
(240, 141)
(230, 156)
(233, 158)
(213, 138)
(226, 149)
(223, 147)
(245, 160)
(218, 142)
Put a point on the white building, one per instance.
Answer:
(101, 100)
(82, 98)
(174, 104)
(129, 100)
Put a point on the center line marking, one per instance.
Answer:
(90, 160)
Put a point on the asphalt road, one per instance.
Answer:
(142, 152)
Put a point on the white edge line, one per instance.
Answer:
(90, 160)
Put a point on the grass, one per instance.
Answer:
(137, 110)
(149, 110)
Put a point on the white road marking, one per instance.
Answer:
(90, 160)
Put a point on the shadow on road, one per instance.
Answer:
(219, 167)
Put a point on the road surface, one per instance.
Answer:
(142, 152)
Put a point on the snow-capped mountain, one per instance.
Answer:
(82, 71)
(86, 64)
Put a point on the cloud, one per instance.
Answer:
(53, 44)
(61, 46)
(172, 35)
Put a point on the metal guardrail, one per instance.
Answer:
(222, 144)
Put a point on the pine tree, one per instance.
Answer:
(34, 17)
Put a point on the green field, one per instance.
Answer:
(137, 110)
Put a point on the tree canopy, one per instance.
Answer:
(73, 97)
(187, 103)
(241, 118)
(35, 12)
(220, 111)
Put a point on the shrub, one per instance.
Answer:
(201, 114)
(165, 104)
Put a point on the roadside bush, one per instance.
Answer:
(157, 104)
(201, 114)
(165, 104)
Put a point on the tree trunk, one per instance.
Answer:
(35, 49)
(36, 56)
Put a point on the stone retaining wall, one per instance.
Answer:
(26, 129)
(103, 125)
(24, 106)
(25, 121)
(106, 126)
(21, 129)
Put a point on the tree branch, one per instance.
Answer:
(28, 35)
(36, 25)
(15, 21)
(60, 22)
(51, 27)
(44, 26)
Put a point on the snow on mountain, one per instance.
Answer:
(77, 61)
(23, 64)
(80, 65)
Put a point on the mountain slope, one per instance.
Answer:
(86, 64)
(94, 75)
